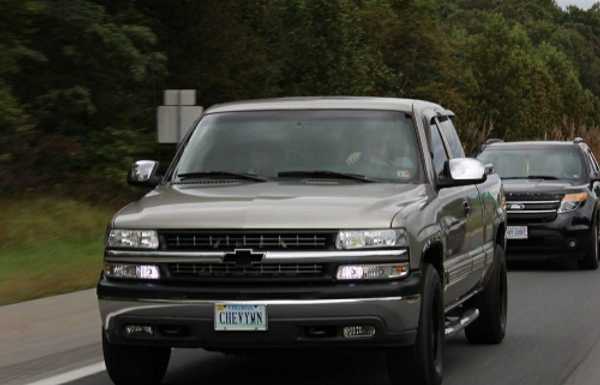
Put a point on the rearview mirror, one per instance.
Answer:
(144, 173)
(462, 172)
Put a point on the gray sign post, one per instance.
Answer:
(177, 114)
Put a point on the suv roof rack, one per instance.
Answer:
(493, 140)
(578, 140)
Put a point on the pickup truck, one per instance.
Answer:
(342, 223)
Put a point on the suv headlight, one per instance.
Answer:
(132, 239)
(572, 202)
(371, 239)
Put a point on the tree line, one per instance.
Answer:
(80, 79)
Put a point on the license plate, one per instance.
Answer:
(236, 317)
(517, 232)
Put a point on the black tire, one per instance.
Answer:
(140, 365)
(492, 302)
(590, 261)
(422, 363)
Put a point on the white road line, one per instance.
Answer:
(72, 375)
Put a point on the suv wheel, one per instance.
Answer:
(490, 327)
(423, 362)
(127, 365)
(590, 261)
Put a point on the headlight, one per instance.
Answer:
(133, 239)
(130, 271)
(572, 202)
(372, 271)
(371, 239)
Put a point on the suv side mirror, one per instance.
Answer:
(462, 172)
(490, 169)
(144, 173)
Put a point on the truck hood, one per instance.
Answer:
(296, 205)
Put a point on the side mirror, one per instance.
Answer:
(462, 172)
(144, 173)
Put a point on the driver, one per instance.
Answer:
(383, 157)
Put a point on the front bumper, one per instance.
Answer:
(569, 234)
(297, 317)
(291, 323)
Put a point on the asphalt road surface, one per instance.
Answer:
(553, 338)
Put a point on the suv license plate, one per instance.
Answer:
(237, 317)
(517, 232)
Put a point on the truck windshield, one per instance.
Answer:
(550, 163)
(374, 145)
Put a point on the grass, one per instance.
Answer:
(49, 246)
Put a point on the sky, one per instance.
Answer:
(580, 3)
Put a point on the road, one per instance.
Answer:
(553, 338)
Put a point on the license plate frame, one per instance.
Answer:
(236, 317)
(517, 232)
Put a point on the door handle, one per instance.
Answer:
(467, 207)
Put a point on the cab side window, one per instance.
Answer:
(449, 132)
(439, 151)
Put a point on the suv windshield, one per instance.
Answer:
(378, 145)
(549, 162)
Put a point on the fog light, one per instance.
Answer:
(129, 271)
(372, 271)
(572, 244)
(139, 330)
(358, 331)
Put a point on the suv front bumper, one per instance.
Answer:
(569, 234)
(185, 320)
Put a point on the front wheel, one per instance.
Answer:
(423, 363)
(590, 261)
(139, 365)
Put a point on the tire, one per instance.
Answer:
(422, 363)
(492, 302)
(140, 365)
(590, 261)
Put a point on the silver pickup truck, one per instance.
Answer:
(308, 223)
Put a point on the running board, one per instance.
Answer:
(456, 324)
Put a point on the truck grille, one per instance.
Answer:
(240, 272)
(532, 207)
(255, 240)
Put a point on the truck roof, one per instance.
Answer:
(324, 103)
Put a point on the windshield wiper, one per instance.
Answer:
(545, 177)
(221, 174)
(324, 174)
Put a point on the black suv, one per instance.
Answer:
(552, 191)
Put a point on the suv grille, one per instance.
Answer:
(255, 240)
(533, 207)
(253, 271)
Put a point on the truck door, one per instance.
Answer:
(461, 217)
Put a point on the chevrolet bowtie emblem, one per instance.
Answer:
(243, 257)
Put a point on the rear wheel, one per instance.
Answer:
(423, 363)
(140, 365)
(490, 327)
(590, 261)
